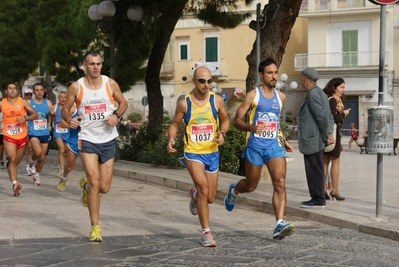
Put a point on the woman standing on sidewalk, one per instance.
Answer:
(335, 89)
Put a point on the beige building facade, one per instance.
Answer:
(339, 38)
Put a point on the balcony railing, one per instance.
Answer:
(342, 4)
(338, 60)
(321, 5)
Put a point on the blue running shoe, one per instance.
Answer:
(282, 230)
(229, 200)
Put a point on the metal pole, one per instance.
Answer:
(257, 41)
(112, 48)
(381, 74)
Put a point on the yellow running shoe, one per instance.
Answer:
(61, 185)
(83, 196)
(95, 234)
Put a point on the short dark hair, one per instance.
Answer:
(36, 84)
(266, 62)
(93, 53)
(14, 83)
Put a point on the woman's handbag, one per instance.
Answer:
(330, 147)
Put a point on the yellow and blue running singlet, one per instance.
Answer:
(201, 126)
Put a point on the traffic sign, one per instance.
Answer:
(224, 96)
(384, 2)
(144, 101)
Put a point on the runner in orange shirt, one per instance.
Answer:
(14, 110)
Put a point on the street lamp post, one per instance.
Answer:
(215, 88)
(282, 87)
(103, 15)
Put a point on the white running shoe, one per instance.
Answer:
(36, 179)
(32, 169)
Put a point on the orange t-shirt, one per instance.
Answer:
(11, 127)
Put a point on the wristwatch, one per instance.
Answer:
(224, 135)
(26, 117)
(117, 114)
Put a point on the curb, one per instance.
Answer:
(373, 228)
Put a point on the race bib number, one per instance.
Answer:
(202, 133)
(58, 129)
(13, 129)
(95, 112)
(270, 130)
(40, 125)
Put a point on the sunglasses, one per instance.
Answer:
(203, 80)
(28, 94)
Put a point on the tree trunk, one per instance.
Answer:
(167, 23)
(274, 36)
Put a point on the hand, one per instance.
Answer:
(346, 111)
(220, 139)
(170, 147)
(74, 123)
(330, 140)
(258, 129)
(288, 146)
(111, 120)
(21, 119)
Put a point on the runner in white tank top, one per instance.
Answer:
(93, 107)
(96, 98)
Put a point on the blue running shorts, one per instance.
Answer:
(260, 156)
(105, 151)
(210, 161)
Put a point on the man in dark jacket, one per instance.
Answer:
(315, 125)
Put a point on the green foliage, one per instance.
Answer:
(18, 55)
(63, 37)
(135, 117)
(225, 19)
(231, 151)
(152, 150)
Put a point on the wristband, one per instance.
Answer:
(224, 135)
(117, 114)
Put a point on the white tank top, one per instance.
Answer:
(94, 105)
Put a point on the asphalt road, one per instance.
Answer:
(150, 225)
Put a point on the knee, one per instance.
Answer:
(41, 158)
(279, 183)
(69, 168)
(104, 189)
(250, 187)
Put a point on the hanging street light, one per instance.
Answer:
(103, 15)
(282, 87)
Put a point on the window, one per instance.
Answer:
(349, 48)
(184, 51)
(211, 49)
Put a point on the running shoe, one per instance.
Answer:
(36, 179)
(17, 188)
(61, 185)
(32, 169)
(83, 196)
(1, 164)
(229, 200)
(207, 240)
(27, 172)
(95, 234)
(193, 202)
(282, 230)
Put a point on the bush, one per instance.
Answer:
(135, 117)
(146, 149)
